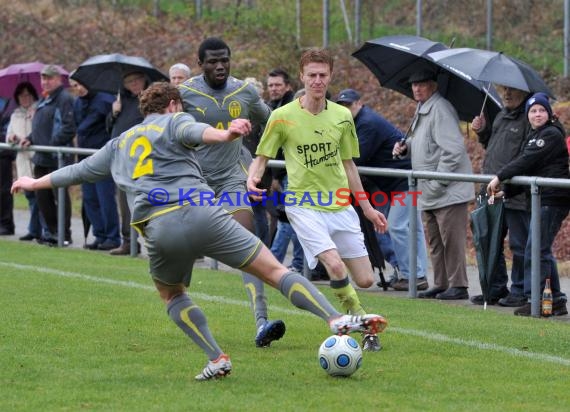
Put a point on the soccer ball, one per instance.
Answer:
(340, 355)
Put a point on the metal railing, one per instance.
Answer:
(412, 175)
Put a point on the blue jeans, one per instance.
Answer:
(517, 224)
(398, 235)
(101, 209)
(283, 236)
(260, 222)
(551, 218)
(36, 226)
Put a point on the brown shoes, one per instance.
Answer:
(124, 249)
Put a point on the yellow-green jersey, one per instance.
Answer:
(314, 147)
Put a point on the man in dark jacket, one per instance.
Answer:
(376, 138)
(99, 204)
(6, 159)
(125, 114)
(52, 125)
(503, 142)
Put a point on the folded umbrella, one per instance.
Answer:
(392, 59)
(491, 66)
(105, 72)
(487, 227)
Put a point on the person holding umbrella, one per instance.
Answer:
(20, 126)
(544, 155)
(99, 204)
(503, 141)
(125, 114)
(435, 144)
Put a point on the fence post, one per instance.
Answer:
(413, 239)
(535, 250)
(60, 205)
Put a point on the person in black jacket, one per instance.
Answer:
(544, 155)
(53, 125)
(504, 141)
(99, 204)
(125, 114)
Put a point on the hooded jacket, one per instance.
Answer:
(544, 155)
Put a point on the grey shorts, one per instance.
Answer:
(233, 197)
(174, 241)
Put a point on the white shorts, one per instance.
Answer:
(319, 231)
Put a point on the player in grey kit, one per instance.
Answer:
(216, 98)
(159, 154)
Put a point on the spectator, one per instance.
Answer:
(125, 114)
(248, 150)
(436, 145)
(216, 98)
(19, 128)
(544, 155)
(318, 140)
(90, 111)
(6, 159)
(52, 125)
(503, 142)
(280, 94)
(377, 137)
(179, 73)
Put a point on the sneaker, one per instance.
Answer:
(403, 284)
(218, 368)
(513, 301)
(268, 332)
(371, 343)
(294, 269)
(370, 324)
(558, 309)
(480, 300)
(523, 310)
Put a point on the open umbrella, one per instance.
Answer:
(105, 72)
(487, 227)
(491, 66)
(392, 59)
(15, 74)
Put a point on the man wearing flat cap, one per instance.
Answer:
(53, 125)
(435, 144)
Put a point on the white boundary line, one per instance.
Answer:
(201, 296)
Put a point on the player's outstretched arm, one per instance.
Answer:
(30, 184)
(238, 128)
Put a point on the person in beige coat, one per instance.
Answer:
(435, 144)
(19, 128)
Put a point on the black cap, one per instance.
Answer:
(348, 96)
(422, 76)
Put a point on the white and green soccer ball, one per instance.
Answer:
(340, 355)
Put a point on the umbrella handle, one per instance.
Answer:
(485, 99)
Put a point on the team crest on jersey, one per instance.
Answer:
(540, 142)
(234, 109)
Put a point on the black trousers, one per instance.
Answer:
(6, 199)
(47, 203)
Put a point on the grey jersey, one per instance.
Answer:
(153, 162)
(221, 165)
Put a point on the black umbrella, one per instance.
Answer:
(492, 66)
(392, 59)
(487, 227)
(105, 72)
